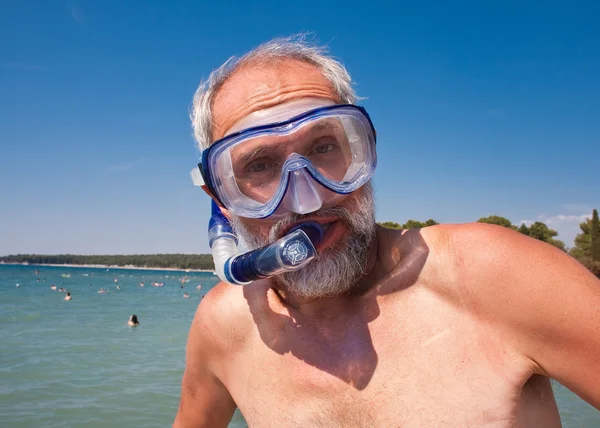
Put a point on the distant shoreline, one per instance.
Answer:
(106, 267)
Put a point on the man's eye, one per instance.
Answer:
(324, 148)
(257, 167)
(262, 165)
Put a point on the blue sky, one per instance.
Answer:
(481, 108)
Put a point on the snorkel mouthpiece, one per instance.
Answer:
(289, 253)
(312, 229)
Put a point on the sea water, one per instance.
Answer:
(77, 363)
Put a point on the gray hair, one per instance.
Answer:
(294, 47)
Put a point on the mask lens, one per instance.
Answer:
(251, 171)
(258, 163)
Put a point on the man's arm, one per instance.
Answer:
(205, 402)
(545, 300)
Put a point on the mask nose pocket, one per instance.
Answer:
(302, 195)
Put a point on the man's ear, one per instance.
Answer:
(224, 210)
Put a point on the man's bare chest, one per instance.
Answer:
(440, 366)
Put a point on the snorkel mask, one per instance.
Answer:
(297, 157)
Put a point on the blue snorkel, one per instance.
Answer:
(289, 253)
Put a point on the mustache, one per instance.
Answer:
(342, 213)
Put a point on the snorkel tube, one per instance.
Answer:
(289, 253)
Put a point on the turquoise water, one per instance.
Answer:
(77, 363)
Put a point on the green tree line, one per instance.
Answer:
(586, 247)
(173, 261)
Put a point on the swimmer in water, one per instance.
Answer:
(68, 296)
(133, 321)
(118, 287)
(53, 287)
(185, 295)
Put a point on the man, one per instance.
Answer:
(451, 325)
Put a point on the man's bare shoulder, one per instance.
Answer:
(480, 248)
(475, 258)
(473, 246)
(222, 318)
(220, 297)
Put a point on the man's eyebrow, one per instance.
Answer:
(252, 154)
(327, 124)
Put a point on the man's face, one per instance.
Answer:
(342, 254)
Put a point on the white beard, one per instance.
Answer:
(336, 270)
